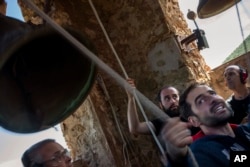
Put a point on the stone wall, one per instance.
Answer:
(145, 35)
(85, 137)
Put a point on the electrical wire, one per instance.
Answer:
(240, 24)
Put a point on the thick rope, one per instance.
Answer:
(125, 151)
(108, 39)
(242, 32)
(126, 76)
(122, 82)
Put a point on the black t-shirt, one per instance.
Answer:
(158, 124)
(241, 109)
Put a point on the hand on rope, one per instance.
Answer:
(132, 84)
(177, 137)
(135, 125)
(140, 127)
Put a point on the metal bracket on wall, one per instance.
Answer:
(184, 47)
(198, 35)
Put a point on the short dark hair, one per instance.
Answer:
(185, 108)
(158, 96)
(26, 158)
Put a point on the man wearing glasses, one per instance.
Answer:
(46, 153)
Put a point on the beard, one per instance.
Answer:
(175, 112)
(215, 121)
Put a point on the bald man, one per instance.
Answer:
(236, 79)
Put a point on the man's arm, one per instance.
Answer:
(135, 126)
(177, 137)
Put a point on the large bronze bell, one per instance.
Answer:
(209, 8)
(43, 77)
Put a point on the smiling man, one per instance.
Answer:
(203, 108)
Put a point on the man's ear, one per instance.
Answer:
(194, 121)
(160, 105)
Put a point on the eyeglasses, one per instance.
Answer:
(57, 158)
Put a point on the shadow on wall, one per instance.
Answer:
(217, 78)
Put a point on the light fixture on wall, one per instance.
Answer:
(198, 34)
